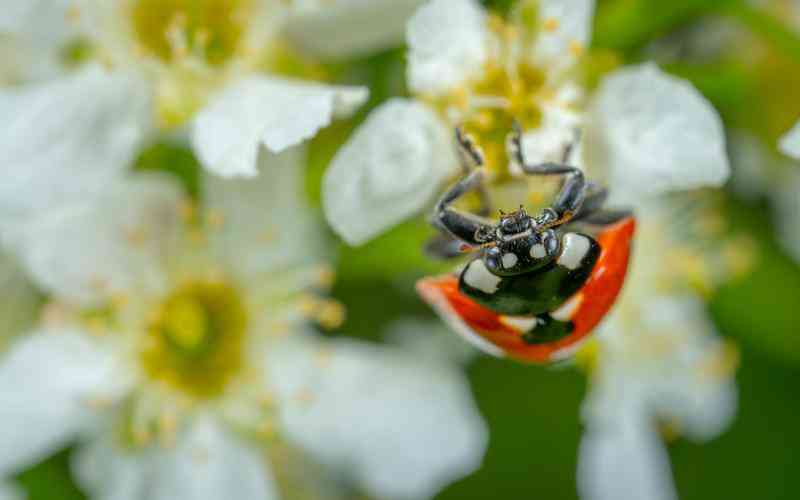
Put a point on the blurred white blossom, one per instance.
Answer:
(761, 173)
(650, 132)
(790, 143)
(174, 352)
(20, 302)
(786, 200)
(659, 369)
(94, 79)
(10, 492)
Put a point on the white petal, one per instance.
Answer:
(18, 17)
(349, 28)
(655, 133)
(402, 427)
(20, 303)
(207, 463)
(47, 380)
(210, 464)
(557, 130)
(430, 339)
(107, 471)
(10, 492)
(624, 463)
(573, 28)
(790, 143)
(267, 225)
(36, 30)
(62, 141)
(277, 113)
(447, 41)
(389, 170)
(87, 252)
(787, 206)
(669, 365)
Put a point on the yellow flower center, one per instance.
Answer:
(517, 90)
(511, 88)
(210, 30)
(195, 339)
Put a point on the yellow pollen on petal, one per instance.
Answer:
(180, 92)
(550, 24)
(215, 218)
(267, 429)
(266, 400)
(330, 314)
(187, 210)
(73, 13)
(326, 276)
(518, 89)
(723, 364)
(304, 397)
(576, 48)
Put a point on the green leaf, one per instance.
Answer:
(174, 159)
(394, 254)
(50, 480)
(628, 25)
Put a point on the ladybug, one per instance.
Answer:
(537, 285)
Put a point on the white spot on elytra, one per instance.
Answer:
(576, 247)
(538, 251)
(509, 260)
(568, 308)
(477, 276)
(521, 323)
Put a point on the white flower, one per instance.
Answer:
(220, 72)
(786, 200)
(174, 352)
(10, 492)
(790, 143)
(659, 366)
(760, 173)
(20, 303)
(344, 28)
(645, 131)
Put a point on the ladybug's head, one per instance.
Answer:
(519, 246)
(513, 224)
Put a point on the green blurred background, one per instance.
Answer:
(754, 81)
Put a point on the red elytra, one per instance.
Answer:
(495, 334)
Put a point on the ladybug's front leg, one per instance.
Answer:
(573, 191)
(468, 228)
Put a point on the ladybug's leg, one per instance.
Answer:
(573, 191)
(464, 226)
(457, 227)
(471, 159)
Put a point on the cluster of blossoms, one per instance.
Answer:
(650, 136)
(174, 345)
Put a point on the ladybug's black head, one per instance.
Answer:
(514, 223)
